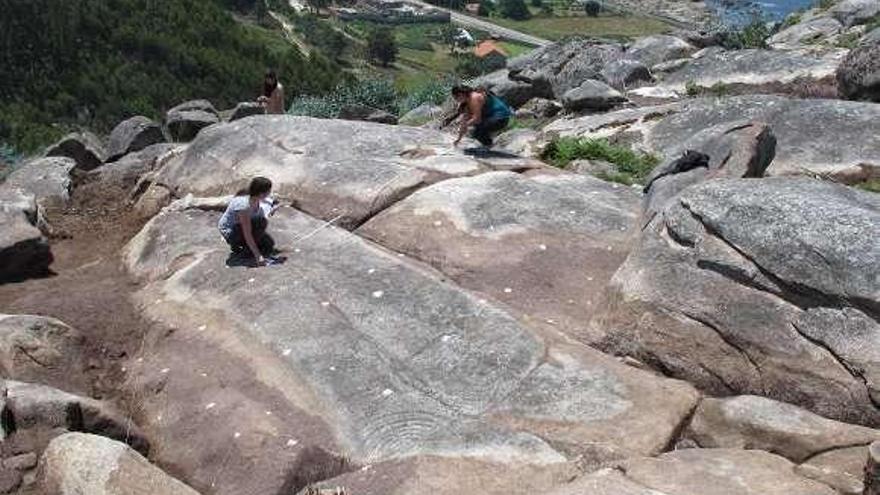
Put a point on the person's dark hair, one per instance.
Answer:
(258, 186)
(462, 89)
(269, 88)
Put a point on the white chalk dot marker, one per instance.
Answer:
(371, 271)
(571, 301)
(610, 248)
(573, 212)
(158, 301)
(400, 255)
(482, 301)
(211, 405)
(237, 434)
(123, 369)
(287, 352)
(268, 413)
(333, 368)
(325, 303)
(202, 328)
(387, 392)
(508, 290)
(165, 370)
(251, 280)
(378, 294)
(437, 223)
(297, 250)
(292, 443)
(542, 247)
(552, 322)
(590, 279)
(446, 338)
(204, 375)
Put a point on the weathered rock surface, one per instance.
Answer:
(332, 169)
(421, 115)
(47, 179)
(197, 105)
(754, 67)
(752, 422)
(806, 32)
(515, 92)
(545, 245)
(813, 136)
(765, 287)
(24, 251)
(872, 470)
(184, 125)
(32, 406)
(841, 469)
(858, 77)
(592, 95)
(426, 475)
(604, 482)
(520, 141)
(133, 135)
(652, 50)
(539, 108)
(390, 359)
(42, 350)
(246, 109)
(367, 114)
(126, 172)
(721, 472)
(78, 464)
(563, 66)
(84, 147)
(625, 72)
(738, 150)
(852, 12)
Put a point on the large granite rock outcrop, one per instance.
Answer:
(751, 422)
(592, 95)
(78, 464)
(85, 148)
(565, 65)
(387, 358)
(546, 245)
(753, 67)
(24, 251)
(853, 12)
(335, 170)
(806, 32)
(42, 350)
(703, 471)
(653, 50)
(825, 137)
(738, 150)
(758, 286)
(133, 135)
(47, 179)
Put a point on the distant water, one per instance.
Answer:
(737, 11)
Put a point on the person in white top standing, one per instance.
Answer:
(272, 98)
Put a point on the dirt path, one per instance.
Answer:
(89, 289)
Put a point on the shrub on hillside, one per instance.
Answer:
(592, 8)
(434, 92)
(381, 46)
(631, 167)
(374, 93)
(92, 63)
(514, 9)
(753, 35)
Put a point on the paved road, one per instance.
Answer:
(473, 22)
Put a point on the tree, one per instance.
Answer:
(537, 4)
(486, 8)
(592, 8)
(381, 46)
(515, 9)
(317, 5)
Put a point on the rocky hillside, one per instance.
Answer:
(580, 311)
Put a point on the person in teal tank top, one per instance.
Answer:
(482, 110)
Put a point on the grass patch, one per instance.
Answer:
(556, 28)
(514, 49)
(872, 185)
(848, 40)
(631, 167)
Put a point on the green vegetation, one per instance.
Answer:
(376, 93)
(514, 9)
(791, 20)
(631, 167)
(611, 26)
(8, 160)
(381, 46)
(92, 63)
(848, 40)
(753, 35)
(872, 185)
(825, 4)
(693, 89)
